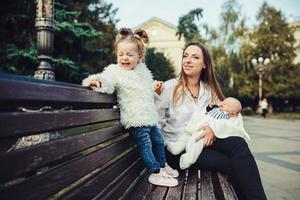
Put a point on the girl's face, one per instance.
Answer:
(192, 61)
(127, 55)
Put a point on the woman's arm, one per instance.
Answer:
(208, 136)
(162, 104)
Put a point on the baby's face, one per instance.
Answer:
(231, 106)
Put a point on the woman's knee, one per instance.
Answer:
(238, 145)
(237, 142)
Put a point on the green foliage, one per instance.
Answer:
(232, 25)
(274, 39)
(159, 65)
(248, 111)
(18, 37)
(82, 37)
(187, 26)
(83, 40)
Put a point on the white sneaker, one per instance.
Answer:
(172, 172)
(162, 179)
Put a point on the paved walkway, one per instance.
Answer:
(276, 148)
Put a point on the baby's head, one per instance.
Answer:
(231, 105)
(129, 47)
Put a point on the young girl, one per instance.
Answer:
(135, 87)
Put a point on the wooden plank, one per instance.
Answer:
(227, 188)
(121, 184)
(207, 189)
(159, 193)
(218, 192)
(43, 185)
(141, 190)
(191, 186)
(36, 156)
(18, 88)
(25, 123)
(177, 192)
(106, 176)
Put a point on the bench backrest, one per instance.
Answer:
(89, 153)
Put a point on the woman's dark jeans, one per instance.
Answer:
(232, 157)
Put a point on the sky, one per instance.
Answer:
(132, 13)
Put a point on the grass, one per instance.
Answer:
(285, 115)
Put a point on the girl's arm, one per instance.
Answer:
(106, 81)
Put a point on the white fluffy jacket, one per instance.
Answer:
(135, 93)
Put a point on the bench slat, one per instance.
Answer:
(176, 192)
(191, 185)
(40, 155)
(207, 189)
(14, 88)
(43, 185)
(227, 189)
(142, 189)
(159, 193)
(21, 123)
(100, 181)
(124, 181)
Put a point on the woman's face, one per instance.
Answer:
(192, 61)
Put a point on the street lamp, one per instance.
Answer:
(260, 67)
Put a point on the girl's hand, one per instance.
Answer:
(159, 87)
(93, 83)
(208, 135)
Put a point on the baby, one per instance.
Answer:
(224, 120)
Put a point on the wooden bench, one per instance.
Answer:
(91, 155)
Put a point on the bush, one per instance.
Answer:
(248, 111)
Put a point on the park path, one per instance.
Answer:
(276, 148)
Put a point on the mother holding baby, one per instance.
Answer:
(193, 91)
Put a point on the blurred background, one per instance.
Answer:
(254, 45)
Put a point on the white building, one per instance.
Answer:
(162, 36)
(295, 22)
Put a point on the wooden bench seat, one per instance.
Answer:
(91, 155)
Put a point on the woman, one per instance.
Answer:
(193, 91)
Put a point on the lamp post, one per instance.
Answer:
(260, 67)
(45, 24)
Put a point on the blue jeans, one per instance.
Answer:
(150, 142)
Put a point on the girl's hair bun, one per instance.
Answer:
(124, 32)
(142, 35)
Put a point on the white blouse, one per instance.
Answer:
(172, 121)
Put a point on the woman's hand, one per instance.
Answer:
(93, 83)
(208, 136)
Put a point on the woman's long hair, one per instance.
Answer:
(207, 77)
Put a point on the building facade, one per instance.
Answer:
(295, 23)
(162, 36)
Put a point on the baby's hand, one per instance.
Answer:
(93, 83)
(159, 87)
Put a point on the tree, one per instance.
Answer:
(226, 50)
(274, 39)
(18, 52)
(159, 65)
(187, 26)
(83, 40)
(232, 25)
